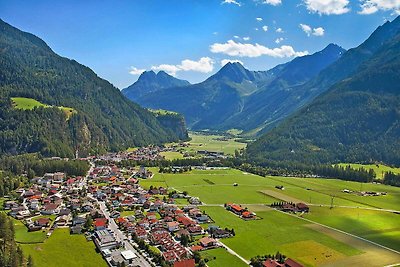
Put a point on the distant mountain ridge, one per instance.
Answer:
(104, 118)
(150, 82)
(357, 119)
(236, 97)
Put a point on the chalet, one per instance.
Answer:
(291, 263)
(50, 208)
(181, 233)
(207, 242)
(42, 222)
(173, 226)
(237, 209)
(196, 248)
(302, 207)
(185, 263)
(248, 215)
(195, 230)
(100, 224)
(221, 233)
(78, 221)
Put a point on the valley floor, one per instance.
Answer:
(323, 237)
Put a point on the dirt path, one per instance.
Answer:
(280, 196)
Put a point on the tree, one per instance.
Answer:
(30, 262)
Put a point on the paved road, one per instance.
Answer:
(121, 237)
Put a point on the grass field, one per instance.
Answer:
(220, 257)
(23, 236)
(63, 249)
(379, 169)
(216, 187)
(271, 233)
(29, 104)
(211, 143)
(171, 155)
(279, 232)
(378, 226)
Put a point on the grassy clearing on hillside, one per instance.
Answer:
(63, 249)
(220, 257)
(29, 104)
(379, 169)
(279, 232)
(378, 226)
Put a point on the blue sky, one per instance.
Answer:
(190, 38)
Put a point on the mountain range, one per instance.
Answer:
(357, 119)
(103, 119)
(235, 97)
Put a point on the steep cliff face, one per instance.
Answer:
(175, 122)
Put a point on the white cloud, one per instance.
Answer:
(256, 29)
(278, 40)
(204, 65)
(279, 30)
(231, 2)
(225, 61)
(372, 6)
(259, 19)
(233, 49)
(236, 37)
(170, 69)
(310, 31)
(328, 7)
(318, 31)
(136, 71)
(265, 28)
(246, 38)
(272, 2)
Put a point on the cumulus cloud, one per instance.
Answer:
(265, 28)
(279, 30)
(278, 40)
(372, 6)
(234, 2)
(136, 71)
(170, 69)
(310, 31)
(204, 65)
(225, 61)
(259, 19)
(272, 2)
(235, 49)
(328, 7)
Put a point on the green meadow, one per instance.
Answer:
(379, 169)
(30, 103)
(216, 187)
(213, 143)
(220, 257)
(279, 232)
(63, 249)
(378, 226)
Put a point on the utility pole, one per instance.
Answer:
(332, 198)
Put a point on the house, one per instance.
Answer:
(78, 221)
(291, 263)
(302, 207)
(173, 226)
(50, 208)
(248, 215)
(100, 223)
(195, 230)
(221, 233)
(194, 201)
(208, 242)
(185, 263)
(42, 222)
(104, 240)
(272, 263)
(62, 220)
